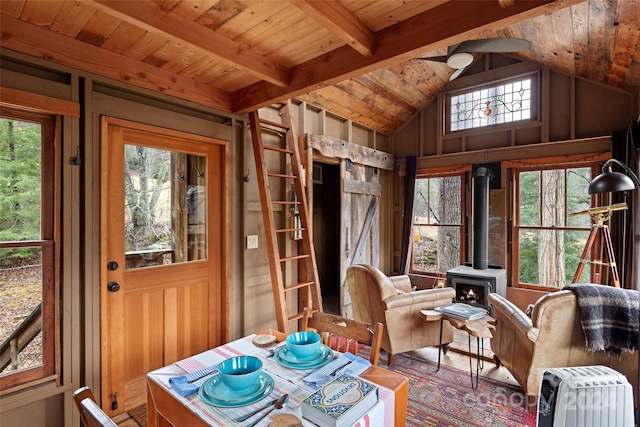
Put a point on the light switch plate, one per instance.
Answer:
(252, 241)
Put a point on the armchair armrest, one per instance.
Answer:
(507, 311)
(439, 295)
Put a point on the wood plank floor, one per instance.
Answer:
(457, 357)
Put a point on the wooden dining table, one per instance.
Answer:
(167, 408)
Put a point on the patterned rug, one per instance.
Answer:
(140, 415)
(445, 398)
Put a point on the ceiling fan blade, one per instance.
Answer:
(504, 44)
(434, 58)
(456, 73)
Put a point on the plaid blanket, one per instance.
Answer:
(609, 317)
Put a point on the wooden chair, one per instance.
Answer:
(91, 414)
(342, 334)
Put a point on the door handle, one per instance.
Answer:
(113, 287)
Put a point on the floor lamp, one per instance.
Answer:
(608, 182)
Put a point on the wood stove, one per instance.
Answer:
(474, 282)
(473, 286)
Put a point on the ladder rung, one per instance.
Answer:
(274, 124)
(296, 317)
(281, 175)
(284, 230)
(297, 286)
(285, 202)
(293, 258)
(278, 149)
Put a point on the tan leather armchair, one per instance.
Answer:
(551, 338)
(375, 298)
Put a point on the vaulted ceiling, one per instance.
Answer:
(352, 57)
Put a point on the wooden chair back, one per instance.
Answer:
(342, 334)
(92, 415)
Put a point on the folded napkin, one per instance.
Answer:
(191, 383)
(347, 363)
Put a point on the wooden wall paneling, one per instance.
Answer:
(453, 145)
(334, 126)
(361, 135)
(347, 131)
(436, 124)
(573, 108)
(527, 135)
(544, 106)
(312, 120)
(593, 101)
(482, 141)
(560, 97)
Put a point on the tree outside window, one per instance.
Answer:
(437, 224)
(549, 240)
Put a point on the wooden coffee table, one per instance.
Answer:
(479, 328)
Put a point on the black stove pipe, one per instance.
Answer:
(481, 179)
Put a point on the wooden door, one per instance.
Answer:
(359, 228)
(163, 254)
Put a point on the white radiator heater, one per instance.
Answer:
(585, 396)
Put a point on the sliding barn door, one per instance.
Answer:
(359, 228)
(163, 254)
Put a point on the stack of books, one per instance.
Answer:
(341, 402)
(462, 311)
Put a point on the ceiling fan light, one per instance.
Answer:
(460, 60)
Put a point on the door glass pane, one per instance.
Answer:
(165, 207)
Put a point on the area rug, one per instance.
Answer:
(140, 415)
(445, 398)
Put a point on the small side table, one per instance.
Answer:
(479, 328)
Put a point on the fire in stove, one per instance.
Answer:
(472, 294)
(470, 297)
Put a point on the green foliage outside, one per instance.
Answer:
(532, 185)
(20, 185)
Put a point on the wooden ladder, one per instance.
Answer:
(291, 199)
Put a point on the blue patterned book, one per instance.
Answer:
(341, 402)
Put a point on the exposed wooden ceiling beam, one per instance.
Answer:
(340, 21)
(152, 17)
(40, 42)
(447, 24)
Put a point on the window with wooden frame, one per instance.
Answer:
(29, 186)
(547, 239)
(438, 227)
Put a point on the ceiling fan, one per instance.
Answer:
(459, 56)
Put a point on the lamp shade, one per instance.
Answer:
(610, 181)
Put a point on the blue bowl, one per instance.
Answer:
(303, 345)
(241, 373)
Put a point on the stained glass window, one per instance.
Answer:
(486, 106)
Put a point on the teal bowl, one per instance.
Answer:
(241, 373)
(303, 345)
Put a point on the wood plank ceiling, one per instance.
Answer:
(352, 57)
